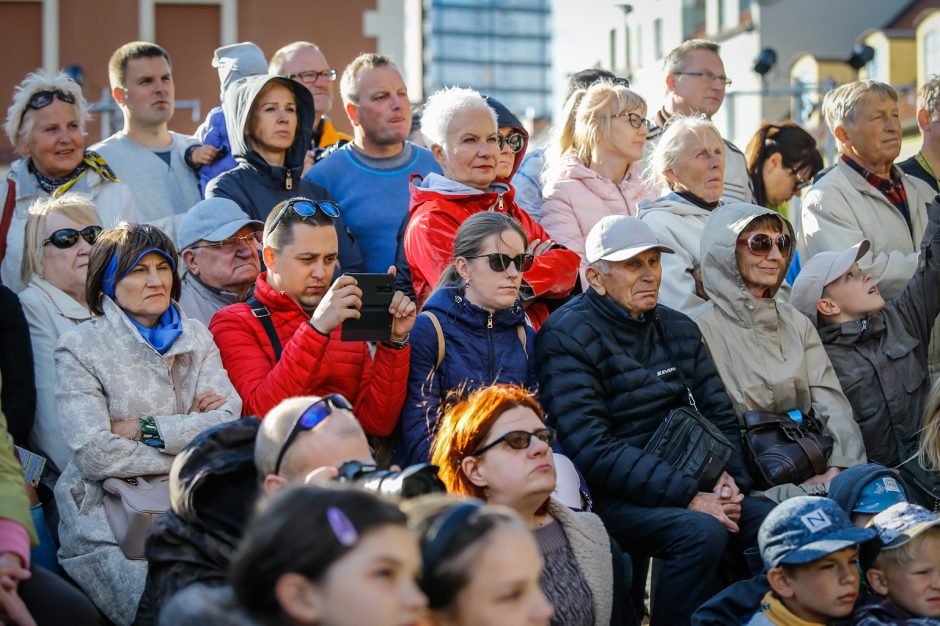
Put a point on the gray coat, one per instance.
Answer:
(106, 371)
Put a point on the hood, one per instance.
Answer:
(237, 106)
(435, 187)
(671, 203)
(505, 117)
(448, 303)
(847, 486)
(238, 61)
(720, 275)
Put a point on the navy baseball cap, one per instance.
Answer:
(805, 529)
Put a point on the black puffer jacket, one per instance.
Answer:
(607, 381)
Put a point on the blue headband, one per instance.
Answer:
(109, 279)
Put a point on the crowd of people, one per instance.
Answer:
(636, 358)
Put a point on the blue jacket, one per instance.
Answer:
(474, 356)
(213, 133)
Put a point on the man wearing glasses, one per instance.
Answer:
(219, 244)
(695, 85)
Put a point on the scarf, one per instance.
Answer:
(90, 160)
(780, 615)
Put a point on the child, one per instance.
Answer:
(879, 350)
(810, 549)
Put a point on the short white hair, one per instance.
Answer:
(666, 153)
(19, 120)
(443, 105)
(928, 96)
(841, 105)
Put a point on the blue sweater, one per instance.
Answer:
(374, 198)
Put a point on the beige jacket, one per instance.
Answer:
(768, 354)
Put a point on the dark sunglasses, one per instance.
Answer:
(499, 262)
(42, 99)
(68, 237)
(305, 208)
(315, 415)
(760, 243)
(515, 141)
(800, 183)
(520, 439)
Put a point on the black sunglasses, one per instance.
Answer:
(68, 237)
(515, 141)
(520, 439)
(305, 208)
(42, 99)
(315, 415)
(800, 183)
(499, 262)
(761, 244)
(636, 120)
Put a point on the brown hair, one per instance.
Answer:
(117, 64)
(796, 147)
(470, 237)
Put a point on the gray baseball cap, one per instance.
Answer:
(213, 219)
(619, 237)
(818, 272)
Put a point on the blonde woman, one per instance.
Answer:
(595, 168)
(922, 470)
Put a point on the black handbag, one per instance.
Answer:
(688, 441)
(780, 450)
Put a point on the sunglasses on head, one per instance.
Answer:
(761, 244)
(305, 208)
(68, 237)
(520, 439)
(42, 99)
(514, 140)
(499, 262)
(310, 419)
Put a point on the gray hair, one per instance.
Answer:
(19, 122)
(74, 206)
(675, 60)
(276, 65)
(928, 96)
(666, 153)
(841, 105)
(443, 105)
(349, 83)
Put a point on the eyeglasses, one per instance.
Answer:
(42, 99)
(761, 244)
(515, 141)
(499, 262)
(310, 419)
(305, 208)
(312, 76)
(68, 237)
(636, 121)
(233, 244)
(710, 77)
(520, 439)
(800, 183)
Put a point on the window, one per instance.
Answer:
(877, 68)
(658, 38)
(639, 45)
(613, 47)
(932, 52)
(693, 18)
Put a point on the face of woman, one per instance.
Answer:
(625, 140)
(507, 158)
(374, 584)
(470, 152)
(761, 272)
(782, 182)
(489, 289)
(503, 589)
(65, 268)
(273, 122)
(699, 167)
(144, 293)
(55, 143)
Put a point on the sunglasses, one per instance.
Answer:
(520, 439)
(42, 99)
(499, 262)
(760, 243)
(305, 208)
(636, 121)
(800, 183)
(310, 419)
(68, 237)
(515, 141)
(233, 244)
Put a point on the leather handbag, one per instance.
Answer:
(781, 450)
(132, 505)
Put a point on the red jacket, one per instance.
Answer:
(311, 363)
(429, 243)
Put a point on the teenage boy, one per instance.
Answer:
(810, 549)
(879, 350)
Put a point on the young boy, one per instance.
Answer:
(879, 350)
(810, 549)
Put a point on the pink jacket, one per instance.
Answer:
(579, 197)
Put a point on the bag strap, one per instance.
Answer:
(815, 454)
(658, 323)
(8, 208)
(440, 336)
(264, 316)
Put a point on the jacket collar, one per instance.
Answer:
(861, 184)
(117, 319)
(450, 302)
(220, 296)
(275, 300)
(615, 314)
(64, 304)
(779, 614)
(856, 331)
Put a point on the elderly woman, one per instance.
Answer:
(462, 131)
(596, 171)
(46, 124)
(768, 354)
(135, 386)
(60, 232)
(689, 160)
(495, 446)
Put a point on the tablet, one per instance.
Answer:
(375, 322)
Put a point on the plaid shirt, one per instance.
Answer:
(892, 189)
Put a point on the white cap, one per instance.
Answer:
(818, 272)
(618, 238)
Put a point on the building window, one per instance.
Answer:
(626, 48)
(658, 38)
(613, 48)
(932, 53)
(639, 45)
(877, 68)
(693, 18)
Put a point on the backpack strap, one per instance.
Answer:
(520, 330)
(7, 217)
(264, 316)
(440, 336)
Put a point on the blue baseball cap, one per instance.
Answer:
(880, 494)
(902, 522)
(805, 529)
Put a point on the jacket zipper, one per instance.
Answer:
(489, 343)
(289, 182)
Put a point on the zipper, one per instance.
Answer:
(289, 182)
(489, 343)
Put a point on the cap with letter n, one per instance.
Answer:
(618, 238)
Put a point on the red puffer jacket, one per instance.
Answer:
(311, 363)
(429, 242)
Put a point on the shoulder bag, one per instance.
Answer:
(781, 450)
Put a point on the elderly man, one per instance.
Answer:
(219, 244)
(612, 364)
(925, 165)
(695, 85)
(864, 196)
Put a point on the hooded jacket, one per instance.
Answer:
(257, 186)
(506, 118)
(480, 349)
(769, 355)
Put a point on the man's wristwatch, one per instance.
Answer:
(397, 345)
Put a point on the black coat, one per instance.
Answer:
(608, 380)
